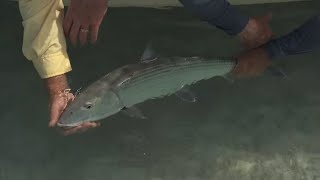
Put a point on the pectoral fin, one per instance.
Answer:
(133, 112)
(229, 78)
(186, 94)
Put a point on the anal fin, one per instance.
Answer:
(276, 71)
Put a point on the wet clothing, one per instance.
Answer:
(223, 15)
(219, 13)
(303, 39)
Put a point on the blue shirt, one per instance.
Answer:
(219, 13)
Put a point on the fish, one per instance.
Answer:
(153, 77)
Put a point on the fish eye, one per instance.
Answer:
(88, 105)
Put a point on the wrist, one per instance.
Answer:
(57, 85)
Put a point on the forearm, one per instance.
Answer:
(303, 39)
(56, 85)
(219, 13)
(43, 41)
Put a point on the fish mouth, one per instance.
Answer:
(68, 125)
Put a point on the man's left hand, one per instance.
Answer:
(83, 19)
(257, 32)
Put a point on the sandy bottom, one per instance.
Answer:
(261, 128)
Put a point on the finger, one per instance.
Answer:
(83, 36)
(94, 30)
(70, 98)
(89, 125)
(57, 109)
(67, 23)
(74, 33)
(76, 130)
(239, 69)
(98, 124)
(81, 128)
(267, 17)
(70, 131)
(54, 117)
(245, 69)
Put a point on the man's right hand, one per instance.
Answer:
(252, 63)
(60, 97)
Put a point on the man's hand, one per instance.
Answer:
(252, 63)
(257, 32)
(83, 19)
(59, 99)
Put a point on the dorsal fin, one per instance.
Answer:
(149, 54)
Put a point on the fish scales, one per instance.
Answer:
(159, 81)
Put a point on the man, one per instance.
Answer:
(44, 44)
(45, 29)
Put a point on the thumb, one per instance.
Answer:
(55, 114)
(56, 109)
(70, 98)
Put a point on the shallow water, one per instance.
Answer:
(261, 128)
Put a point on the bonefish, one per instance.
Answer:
(153, 77)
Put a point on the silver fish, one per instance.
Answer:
(154, 77)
